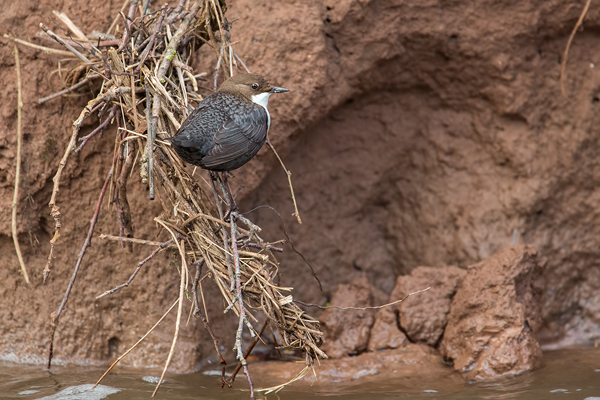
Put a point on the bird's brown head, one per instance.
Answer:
(253, 87)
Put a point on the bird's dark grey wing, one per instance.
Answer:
(194, 115)
(241, 135)
(195, 137)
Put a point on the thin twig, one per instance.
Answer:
(68, 46)
(230, 204)
(230, 61)
(363, 308)
(123, 209)
(289, 178)
(171, 49)
(90, 46)
(176, 12)
(214, 219)
(179, 309)
(114, 23)
(54, 209)
(291, 242)
(138, 342)
(275, 389)
(72, 27)
(100, 129)
(565, 56)
(218, 67)
(248, 351)
(267, 246)
(183, 91)
(152, 39)
(15, 202)
(139, 266)
(144, 13)
(240, 302)
(144, 165)
(86, 244)
(240, 60)
(153, 126)
(198, 313)
(126, 33)
(199, 265)
(129, 240)
(68, 90)
(47, 50)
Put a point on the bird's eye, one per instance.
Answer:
(254, 86)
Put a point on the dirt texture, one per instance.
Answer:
(421, 133)
(494, 316)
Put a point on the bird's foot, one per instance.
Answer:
(232, 211)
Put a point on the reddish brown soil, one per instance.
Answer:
(495, 315)
(425, 134)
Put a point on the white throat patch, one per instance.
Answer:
(263, 100)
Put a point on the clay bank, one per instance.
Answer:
(430, 145)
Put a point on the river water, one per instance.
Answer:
(569, 374)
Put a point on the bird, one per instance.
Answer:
(228, 127)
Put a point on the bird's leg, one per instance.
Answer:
(215, 178)
(227, 190)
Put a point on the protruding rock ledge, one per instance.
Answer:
(481, 320)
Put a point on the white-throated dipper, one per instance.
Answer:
(228, 127)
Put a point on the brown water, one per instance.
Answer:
(569, 374)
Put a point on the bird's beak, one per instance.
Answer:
(277, 89)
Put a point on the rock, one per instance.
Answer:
(385, 333)
(347, 331)
(423, 316)
(494, 316)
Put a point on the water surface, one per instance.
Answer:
(569, 374)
